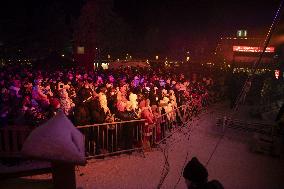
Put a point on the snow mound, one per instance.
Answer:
(56, 140)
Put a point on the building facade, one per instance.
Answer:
(244, 52)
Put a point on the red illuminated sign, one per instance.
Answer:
(252, 49)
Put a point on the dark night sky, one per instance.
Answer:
(199, 16)
(174, 19)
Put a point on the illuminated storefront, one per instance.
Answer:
(243, 52)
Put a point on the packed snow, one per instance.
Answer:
(232, 163)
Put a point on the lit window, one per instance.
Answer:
(80, 50)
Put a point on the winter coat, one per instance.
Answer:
(147, 114)
(82, 115)
(96, 112)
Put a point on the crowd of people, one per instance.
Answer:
(31, 96)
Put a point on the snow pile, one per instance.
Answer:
(56, 140)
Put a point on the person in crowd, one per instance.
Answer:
(54, 107)
(146, 113)
(15, 88)
(66, 102)
(156, 119)
(4, 111)
(38, 93)
(78, 92)
(154, 96)
(173, 99)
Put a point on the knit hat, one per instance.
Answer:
(54, 102)
(195, 172)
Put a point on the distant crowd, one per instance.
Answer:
(31, 96)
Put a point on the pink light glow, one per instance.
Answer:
(252, 49)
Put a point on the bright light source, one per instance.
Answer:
(252, 49)
(104, 66)
(241, 33)
(187, 58)
(157, 57)
(108, 56)
(62, 55)
(277, 74)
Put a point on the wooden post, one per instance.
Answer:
(63, 175)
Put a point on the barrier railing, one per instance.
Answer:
(167, 123)
(242, 125)
(12, 139)
(112, 138)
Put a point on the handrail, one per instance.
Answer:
(12, 139)
(172, 111)
(102, 139)
(102, 124)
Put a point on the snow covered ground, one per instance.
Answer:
(233, 164)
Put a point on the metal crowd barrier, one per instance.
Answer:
(113, 138)
(12, 139)
(167, 123)
(242, 125)
(119, 137)
(109, 138)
